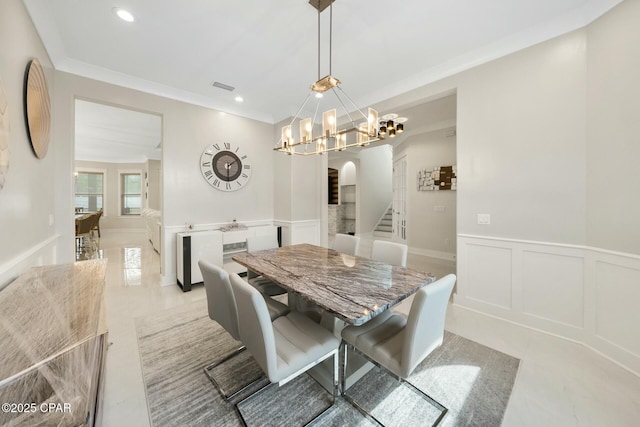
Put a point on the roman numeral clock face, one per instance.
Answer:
(225, 167)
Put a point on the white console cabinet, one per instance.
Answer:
(216, 246)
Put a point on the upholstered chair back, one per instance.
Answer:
(256, 330)
(424, 331)
(346, 244)
(220, 299)
(390, 252)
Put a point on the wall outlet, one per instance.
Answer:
(484, 219)
(446, 242)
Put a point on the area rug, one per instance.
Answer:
(473, 381)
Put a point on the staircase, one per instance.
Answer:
(384, 228)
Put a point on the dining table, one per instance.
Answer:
(352, 289)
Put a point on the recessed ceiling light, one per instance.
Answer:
(318, 95)
(123, 14)
(239, 99)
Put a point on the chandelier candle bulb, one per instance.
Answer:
(287, 140)
(373, 122)
(305, 130)
(329, 123)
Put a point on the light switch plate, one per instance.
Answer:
(484, 219)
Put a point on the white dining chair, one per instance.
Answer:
(264, 285)
(284, 348)
(390, 252)
(222, 308)
(398, 343)
(346, 244)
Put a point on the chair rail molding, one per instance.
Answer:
(446, 256)
(581, 293)
(40, 254)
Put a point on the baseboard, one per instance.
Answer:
(122, 230)
(551, 334)
(446, 256)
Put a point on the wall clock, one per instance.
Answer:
(225, 166)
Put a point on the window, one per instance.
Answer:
(130, 193)
(89, 191)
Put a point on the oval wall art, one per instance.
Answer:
(37, 108)
(4, 135)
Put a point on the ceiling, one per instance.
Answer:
(116, 135)
(267, 49)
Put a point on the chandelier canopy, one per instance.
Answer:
(362, 129)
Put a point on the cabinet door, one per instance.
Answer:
(193, 247)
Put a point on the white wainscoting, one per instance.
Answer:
(44, 253)
(296, 232)
(584, 294)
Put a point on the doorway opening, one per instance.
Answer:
(117, 174)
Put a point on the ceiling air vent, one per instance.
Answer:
(223, 86)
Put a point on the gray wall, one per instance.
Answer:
(521, 143)
(154, 184)
(613, 130)
(547, 143)
(427, 230)
(187, 130)
(374, 186)
(27, 206)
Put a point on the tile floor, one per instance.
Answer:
(559, 383)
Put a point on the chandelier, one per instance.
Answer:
(362, 129)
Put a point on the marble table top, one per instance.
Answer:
(352, 288)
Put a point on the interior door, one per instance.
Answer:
(400, 199)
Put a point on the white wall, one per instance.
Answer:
(374, 186)
(28, 231)
(534, 130)
(613, 125)
(430, 232)
(347, 164)
(153, 184)
(547, 144)
(299, 195)
(521, 143)
(187, 131)
(348, 173)
(111, 218)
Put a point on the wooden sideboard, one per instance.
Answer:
(53, 340)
